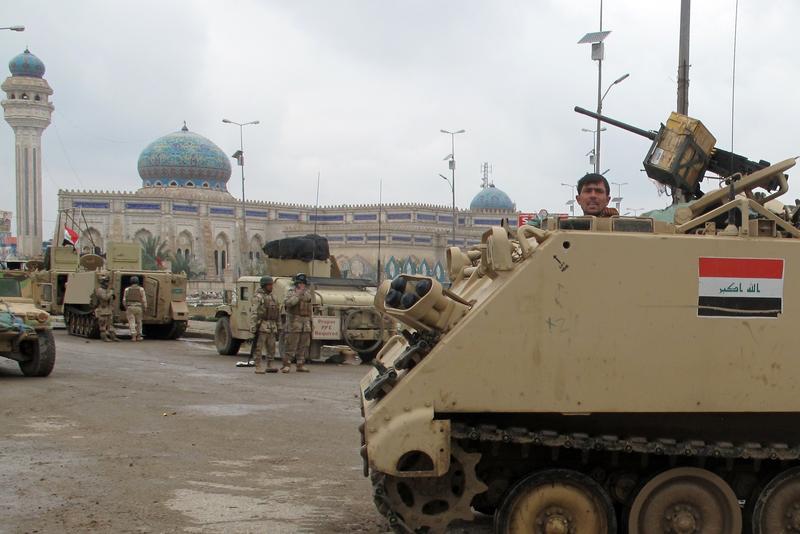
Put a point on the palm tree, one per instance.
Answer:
(154, 253)
(183, 264)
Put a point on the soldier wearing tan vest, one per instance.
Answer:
(264, 325)
(298, 305)
(135, 302)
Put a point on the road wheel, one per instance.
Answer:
(777, 508)
(686, 499)
(226, 344)
(556, 500)
(43, 355)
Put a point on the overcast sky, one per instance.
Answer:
(358, 90)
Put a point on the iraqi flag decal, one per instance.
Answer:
(740, 287)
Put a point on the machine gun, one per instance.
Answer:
(682, 151)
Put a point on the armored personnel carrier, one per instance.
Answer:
(25, 333)
(343, 309)
(68, 280)
(602, 375)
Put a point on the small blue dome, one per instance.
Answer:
(491, 198)
(184, 159)
(26, 64)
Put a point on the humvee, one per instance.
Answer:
(343, 310)
(25, 333)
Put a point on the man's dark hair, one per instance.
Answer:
(594, 178)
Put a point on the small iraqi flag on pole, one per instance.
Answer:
(740, 287)
(70, 236)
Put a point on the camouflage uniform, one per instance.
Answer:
(104, 297)
(135, 301)
(298, 307)
(264, 324)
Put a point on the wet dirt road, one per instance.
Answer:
(168, 436)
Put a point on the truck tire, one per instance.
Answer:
(43, 357)
(226, 344)
(178, 329)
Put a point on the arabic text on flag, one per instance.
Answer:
(740, 287)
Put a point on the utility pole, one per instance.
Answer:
(599, 96)
(683, 59)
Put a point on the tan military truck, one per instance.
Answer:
(25, 333)
(343, 313)
(67, 286)
(602, 375)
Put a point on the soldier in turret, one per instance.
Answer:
(135, 300)
(103, 309)
(264, 318)
(594, 194)
(298, 305)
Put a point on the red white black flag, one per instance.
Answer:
(70, 236)
(740, 287)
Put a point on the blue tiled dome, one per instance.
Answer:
(184, 159)
(491, 198)
(26, 64)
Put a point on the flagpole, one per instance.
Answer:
(380, 236)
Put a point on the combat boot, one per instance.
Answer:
(301, 368)
(270, 368)
(113, 336)
(104, 337)
(286, 368)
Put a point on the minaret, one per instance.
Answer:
(27, 109)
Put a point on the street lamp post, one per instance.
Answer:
(239, 155)
(600, 112)
(452, 164)
(594, 142)
(571, 201)
(618, 199)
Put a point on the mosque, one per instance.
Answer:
(183, 199)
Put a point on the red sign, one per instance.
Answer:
(523, 218)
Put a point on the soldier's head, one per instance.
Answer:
(134, 280)
(266, 283)
(300, 280)
(594, 193)
(103, 280)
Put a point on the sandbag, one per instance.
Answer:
(306, 248)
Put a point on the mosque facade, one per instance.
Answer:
(184, 201)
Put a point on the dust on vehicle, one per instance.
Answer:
(598, 375)
(25, 331)
(343, 315)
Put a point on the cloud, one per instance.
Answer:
(358, 91)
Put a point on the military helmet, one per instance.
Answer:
(103, 279)
(265, 280)
(300, 278)
(134, 279)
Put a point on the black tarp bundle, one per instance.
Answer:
(306, 248)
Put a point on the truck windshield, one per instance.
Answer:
(9, 287)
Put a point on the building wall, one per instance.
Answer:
(208, 224)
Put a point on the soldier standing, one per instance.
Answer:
(298, 305)
(135, 301)
(264, 325)
(103, 311)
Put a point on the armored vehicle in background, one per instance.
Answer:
(67, 286)
(343, 309)
(601, 375)
(25, 333)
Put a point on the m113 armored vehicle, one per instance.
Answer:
(602, 375)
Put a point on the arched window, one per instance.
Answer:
(173, 183)
(190, 184)
(12, 96)
(185, 244)
(37, 98)
(24, 96)
(205, 184)
(158, 183)
(221, 253)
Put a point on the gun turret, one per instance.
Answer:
(682, 151)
